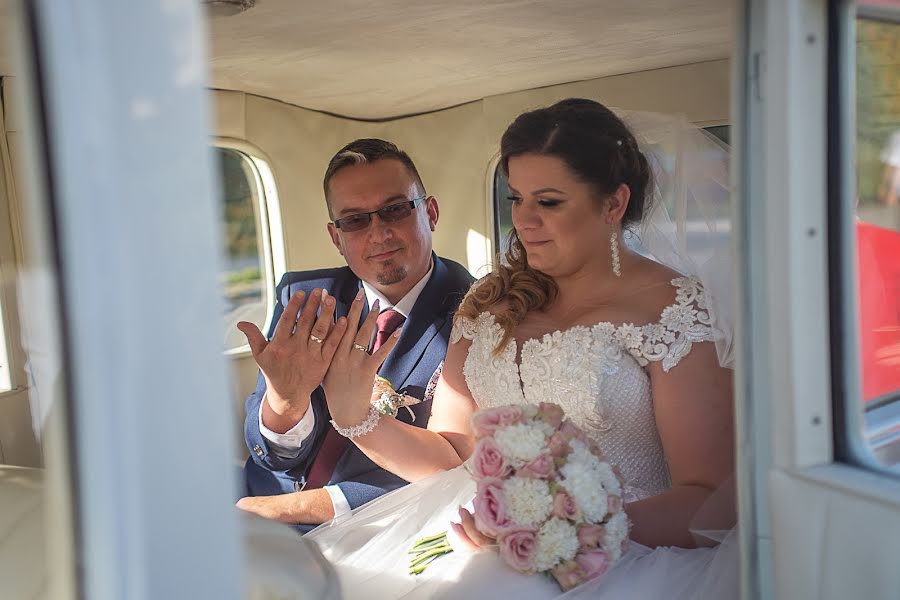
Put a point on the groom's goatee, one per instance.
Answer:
(391, 274)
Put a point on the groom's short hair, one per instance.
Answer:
(367, 150)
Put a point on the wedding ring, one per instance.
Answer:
(316, 339)
(360, 347)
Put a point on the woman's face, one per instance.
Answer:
(558, 218)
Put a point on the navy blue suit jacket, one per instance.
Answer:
(418, 353)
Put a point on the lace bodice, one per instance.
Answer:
(596, 374)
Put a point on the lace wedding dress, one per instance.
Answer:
(596, 374)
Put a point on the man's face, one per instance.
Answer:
(392, 257)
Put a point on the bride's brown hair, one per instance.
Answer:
(600, 150)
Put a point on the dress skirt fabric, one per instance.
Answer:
(368, 548)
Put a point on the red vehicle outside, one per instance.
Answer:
(879, 306)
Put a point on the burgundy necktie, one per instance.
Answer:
(334, 443)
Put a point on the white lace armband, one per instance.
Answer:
(681, 324)
(360, 429)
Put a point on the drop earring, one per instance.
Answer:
(614, 251)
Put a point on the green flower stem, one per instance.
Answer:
(434, 538)
(420, 568)
(444, 549)
(427, 546)
(426, 550)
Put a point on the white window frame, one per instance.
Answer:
(7, 375)
(493, 165)
(121, 90)
(852, 448)
(270, 226)
(827, 529)
(9, 367)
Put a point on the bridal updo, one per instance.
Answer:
(600, 150)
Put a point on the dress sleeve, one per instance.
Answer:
(680, 326)
(464, 327)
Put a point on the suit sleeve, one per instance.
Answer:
(368, 486)
(260, 449)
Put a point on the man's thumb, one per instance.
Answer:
(255, 337)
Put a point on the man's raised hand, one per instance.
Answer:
(295, 361)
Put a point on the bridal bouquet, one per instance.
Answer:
(545, 492)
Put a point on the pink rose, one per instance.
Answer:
(543, 467)
(485, 422)
(567, 574)
(550, 413)
(593, 564)
(591, 537)
(597, 451)
(489, 460)
(559, 445)
(571, 430)
(491, 517)
(614, 504)
(517, 548)
(564, 506)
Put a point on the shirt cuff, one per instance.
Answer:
(287, 445)
(341, 506)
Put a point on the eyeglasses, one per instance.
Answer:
(389, 214)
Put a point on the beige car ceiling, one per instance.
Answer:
(389, 58)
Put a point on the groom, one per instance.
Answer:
(300, 470)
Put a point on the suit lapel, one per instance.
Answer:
(428, 316)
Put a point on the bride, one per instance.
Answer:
(623, 343)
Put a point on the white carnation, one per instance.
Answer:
(556, 541)
(546, 428)
(529, 411)
(528, 501)
(580, 453)
(590, 481)
(520, 443)
(616, 532)
(586, 488)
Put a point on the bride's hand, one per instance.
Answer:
(468, 534)
(348, 382)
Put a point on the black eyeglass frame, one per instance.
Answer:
(413, 205)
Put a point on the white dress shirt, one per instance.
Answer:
(287, 445)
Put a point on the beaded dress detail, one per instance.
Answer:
(596, 374)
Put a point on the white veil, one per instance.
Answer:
(689, 223)
(688, 227)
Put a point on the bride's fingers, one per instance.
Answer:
(460, 536)
(379, 356)
(352, 323)
(367, 329)
(364, 334)
(334, 338)
(468, 525)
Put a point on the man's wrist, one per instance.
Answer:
(293, 407)
(279, 416)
